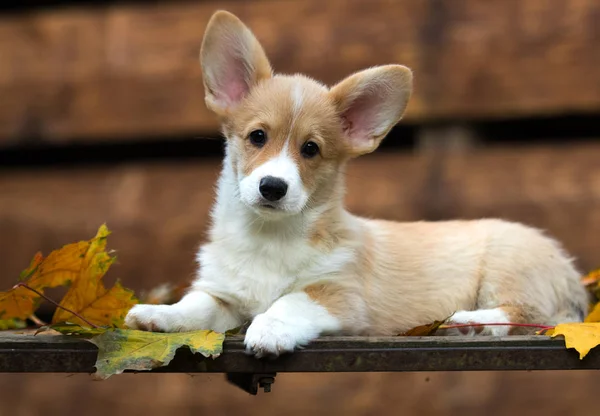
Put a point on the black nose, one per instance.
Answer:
(272, 189)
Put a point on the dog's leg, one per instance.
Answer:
(292, 321)
(196, 310)
(500, 315)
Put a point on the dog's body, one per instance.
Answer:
(284, 252)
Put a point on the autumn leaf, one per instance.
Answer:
(33, 267)
(128, 349)
(91, 311)
(12, 324)
(90, 299)
(581, 336)
(423, 330)
(68, 328)
(594, 315)
(18, 303)
(60, 268)
(592, 282)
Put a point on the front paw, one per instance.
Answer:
(270, 337)
(154, 318)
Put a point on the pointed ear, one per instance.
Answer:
(370, 103)
(232, 61)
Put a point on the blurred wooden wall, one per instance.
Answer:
(79, 73)
(77, 77)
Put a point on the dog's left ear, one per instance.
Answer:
(370, 103)
(232, 60)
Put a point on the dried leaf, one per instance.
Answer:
(18, 303)
(33, 266)
(581, 336)
(64, 265)
(594, 315)
(60, 268)
(88, 297)
(423, 330)
(128, 349)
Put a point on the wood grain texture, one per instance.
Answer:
(105, 73)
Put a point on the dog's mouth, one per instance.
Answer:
(268, 206)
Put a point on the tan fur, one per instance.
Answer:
(522, 314)
(269, 107)
(410, 274)
(402, 274)
(386, 84)
(331, 296)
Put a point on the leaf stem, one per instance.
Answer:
(37, 292)
(495, 324)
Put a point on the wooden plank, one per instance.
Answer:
(105, 73)
(63, 354)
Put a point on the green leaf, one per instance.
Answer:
(68, 328)
(128, 349)
(12, 324)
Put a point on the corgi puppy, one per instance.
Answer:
(282, 250)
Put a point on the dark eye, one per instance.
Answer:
(309, 149)
(258, 138)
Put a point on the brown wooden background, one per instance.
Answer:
(101, 108)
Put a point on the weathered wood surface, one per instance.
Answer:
(114, 71)
(63, 354)
(159, 212)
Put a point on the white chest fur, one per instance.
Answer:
(251, 263)
(254, 271)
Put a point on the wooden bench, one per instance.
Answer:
(21, 353)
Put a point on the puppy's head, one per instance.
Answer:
(289, 135)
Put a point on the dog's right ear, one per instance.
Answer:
(232, 61)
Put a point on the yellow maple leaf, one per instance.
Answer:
(33, 267)
(581, 336)
(128, 349)
(81, 265)
(18, 303)
(594, 315)
(90, 299)
(60, 268)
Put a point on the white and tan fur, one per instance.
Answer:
(305, 266)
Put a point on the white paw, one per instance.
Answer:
(155, 318)
(269, 336)
(477, 319)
